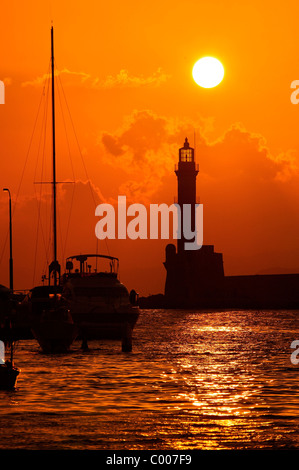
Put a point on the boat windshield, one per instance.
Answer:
(86, 265)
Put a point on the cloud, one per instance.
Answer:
(41, 80)
(144, 138)
(123, 79)
(250, 194)
(239, 152)
(146, 147)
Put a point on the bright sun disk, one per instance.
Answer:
(208, 72)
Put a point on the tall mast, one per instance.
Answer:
(54, 161)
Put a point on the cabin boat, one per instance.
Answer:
(100, 305)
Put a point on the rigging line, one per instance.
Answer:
(41, 135)
(39, 198)
(77, 141)
(50, 236)
(82, 159)
(44, 270)
(60, 232)
(72, 168)
(64, 125)
(39, 201)
(23, 172)
(69, 221)
(74, 130)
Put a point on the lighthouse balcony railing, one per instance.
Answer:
(196, 166)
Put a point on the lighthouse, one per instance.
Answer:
(186, 171)
(193, 276)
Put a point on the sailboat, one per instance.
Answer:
(51, 321)
(85, 303)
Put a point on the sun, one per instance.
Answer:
(208, 72)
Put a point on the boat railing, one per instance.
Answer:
(85, 269)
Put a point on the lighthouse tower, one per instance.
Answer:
(186, 172)
(194, 277)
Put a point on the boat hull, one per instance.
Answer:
(103, 323)
(8, 377)
(100, 305)
(54, 337)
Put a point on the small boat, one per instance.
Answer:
(49, 319)
(8, 372)
(55, 330)
(100, 305)
(8, 376)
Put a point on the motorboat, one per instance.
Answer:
(100, 305)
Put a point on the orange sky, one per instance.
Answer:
(126, 70)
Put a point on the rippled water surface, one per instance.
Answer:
(195, 380)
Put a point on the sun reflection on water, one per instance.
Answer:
(200, 381)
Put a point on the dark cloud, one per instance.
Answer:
(146, 147)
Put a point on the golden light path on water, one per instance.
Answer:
(195, 380)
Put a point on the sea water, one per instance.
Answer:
(194, 380)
